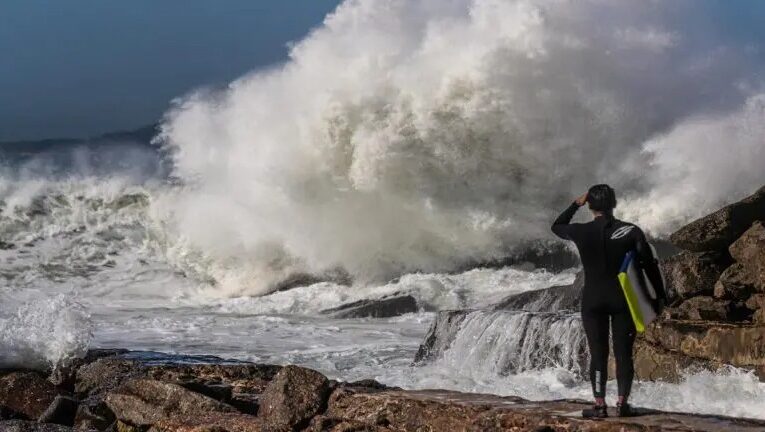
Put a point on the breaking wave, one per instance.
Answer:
(422, 135)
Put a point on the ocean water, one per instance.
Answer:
(403, 145)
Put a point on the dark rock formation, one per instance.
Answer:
(28, 394)
(293, 397)
(440, 335)
(720, 229)
(105, 374)
(61, 411)
(382, 308)
(553, 299)
(691, 274)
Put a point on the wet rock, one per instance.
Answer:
(143, 402)
(749, 251)
(701, 308)
(293, 397)
(382, 308)
(61, 411)
(692, 274)
(28, 426)
(28, 394)
(654, 363)
(104, 375)
(440, 335)
(232, 422)
(720, 229)
(331, 424)
(93, 414)
(244, 379)
(450, 411)
(739, 345)
(553, 299)
(735, 283)
(64, 376)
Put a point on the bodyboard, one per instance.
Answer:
(634, 285)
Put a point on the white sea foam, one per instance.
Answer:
(43, 332)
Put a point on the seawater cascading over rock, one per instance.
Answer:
(505, 342)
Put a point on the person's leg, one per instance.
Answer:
(596, 329)
(623, 339)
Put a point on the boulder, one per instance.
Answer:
(691, 274)
(749, 251)
(739, 345)
(720, 229)
(701, 308)
(93, 414)
(61, 411)
(293, 397)
(382, 308)
(143, 402)
(104, 375)
(29, 426)
(735, 283)
(553, 299)
(65, 375)
(27, 394)
(756, 304)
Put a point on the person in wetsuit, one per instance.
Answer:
(603, 243)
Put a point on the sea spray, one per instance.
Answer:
(422, 135)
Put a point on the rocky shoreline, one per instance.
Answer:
(119, 391)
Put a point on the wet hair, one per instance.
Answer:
(602, 198)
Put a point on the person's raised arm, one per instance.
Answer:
(562, 226)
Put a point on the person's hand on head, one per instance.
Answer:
(582, 200)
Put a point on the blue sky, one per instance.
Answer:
(83, 67)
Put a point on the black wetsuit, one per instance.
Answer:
(603, 244)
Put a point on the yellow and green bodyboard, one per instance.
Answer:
(638, 292)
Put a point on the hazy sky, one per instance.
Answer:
(83, 67)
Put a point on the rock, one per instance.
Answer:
(735, 283)
(701, 308)
(93, 415)
(28, 394)
(382, 308)
(143, 402)
(61, 411)
(104, 375)
(28, 426)
(654, 363)
(242, 378)
(720, 229)
(449, 411)
(554, 299)
(692, 274)
(440, 335)
(65, 376)
(756, 304)
(739, 345)
(232, 422)
(293, 397)
(331, 424)
(749, 251)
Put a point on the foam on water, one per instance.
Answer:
(43, 332)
